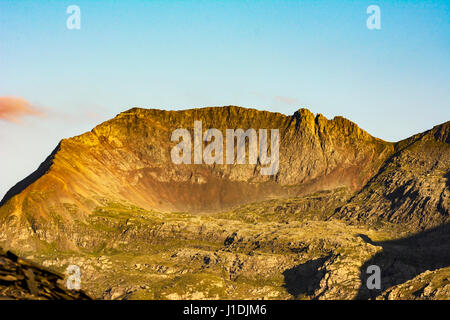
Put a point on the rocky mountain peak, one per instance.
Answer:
(338, 202)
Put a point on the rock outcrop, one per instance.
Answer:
(23, 280)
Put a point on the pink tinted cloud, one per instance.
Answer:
(13, 109)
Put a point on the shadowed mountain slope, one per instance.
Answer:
(402, 260)
(413, 186)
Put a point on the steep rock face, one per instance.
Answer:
(128, 159)
(412, 188)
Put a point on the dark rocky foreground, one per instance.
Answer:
(21, 279)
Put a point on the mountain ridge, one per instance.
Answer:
(303, 122)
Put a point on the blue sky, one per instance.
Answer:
(272, 55)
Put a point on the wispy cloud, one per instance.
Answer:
(13, 109)
(286, 100)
